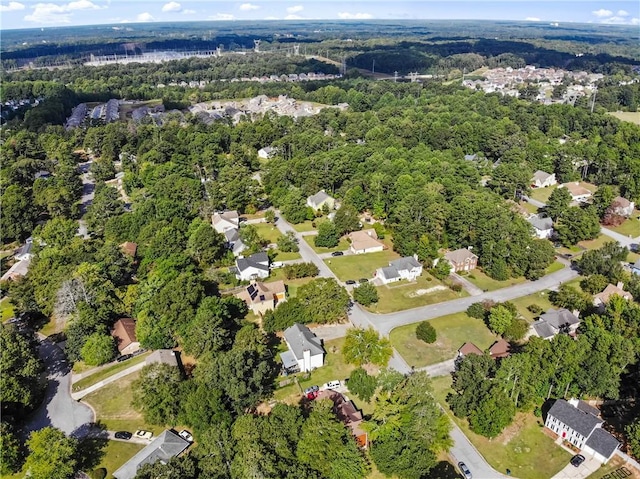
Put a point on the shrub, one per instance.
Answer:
(99, 473)
(476, 310)
(426, 332)
(300, 270)
(535, 309)
(457, 287)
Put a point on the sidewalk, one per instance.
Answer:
(80, 394)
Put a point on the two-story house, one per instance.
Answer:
(408, 268)
(252, 267)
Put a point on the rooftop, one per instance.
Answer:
(460, 255)
(319, 197)
(540, 223)
(300, 338)
(258, 261)
(405, 263)
(124, 332)
(602, 442)
(470, 348)
(581, 422)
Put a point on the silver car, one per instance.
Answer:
(465, 470)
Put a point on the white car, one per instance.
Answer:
(332, 384)
(186, 435)
(142, 434)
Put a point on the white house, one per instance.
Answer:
(321, 198)
(622, 206)
(542, 179)
(266, 152)
(24, 252)
(555, 321)
(225, 220)
(635, 267)
(365, 241)
(252, 267)
(408, 268)
(578, 193)
(234, 243)
(543, 227)
(578, 423)
(305, 349)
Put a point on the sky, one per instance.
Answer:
(55, 13)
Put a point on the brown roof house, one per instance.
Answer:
(622, 206)
(461, 260)
(365, 241)
(124, 332)
(500, 349)
(601, 299)
(469, 348)
(129, 248)
(261, 297)
(347, 412)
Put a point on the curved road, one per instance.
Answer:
(58, 408)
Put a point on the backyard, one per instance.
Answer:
(406, 295)
(116, 453)
(360, 265)
(522, 447)
(452, 332)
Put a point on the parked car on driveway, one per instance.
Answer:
(337, 253)
(126, 435)
(312, 389)
(142, 434)
(465, 470)
(350, 281)
(186, 435)
(577, 460)
(335, 384)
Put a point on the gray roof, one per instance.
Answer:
(602, 442)
(288, 359)
(543, 329)
(165, 356)
(390, 272)
(541, 223)
(581, 422)
(470, 157)
(319, 197)
(541, 175)
(406, 263)
(258, 261)
(162, 448)
(299, 338)
(232, 235)
(559, 317)
(584, 407)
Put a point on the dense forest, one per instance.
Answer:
(398, 152)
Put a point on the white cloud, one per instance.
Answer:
(532, 19)
(12, 7)
(246, 7)
(295, 9)
(188, 11)
(354, 16)
(635, 21)
(602, 13)
(51, 13)
(293, 17)
(171, 7)
(144, 17)
(623, 13)
(221, 16)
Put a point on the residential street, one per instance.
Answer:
(58, 408)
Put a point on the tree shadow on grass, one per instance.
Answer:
(443, 470)
(93, 439)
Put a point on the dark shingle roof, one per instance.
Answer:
(406, 263)
(581, 422)
(258, 261)
(541, 223)
(390, 272)
(602, 442)
(559, 317)
(543, 329)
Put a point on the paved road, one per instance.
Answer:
(307, 253)
(58, 408)
(464, 451)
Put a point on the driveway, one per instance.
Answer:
(584, 470)
(58, 408)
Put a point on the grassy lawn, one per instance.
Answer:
(6, 309)
(452, 332)
(596, 243)
(305, 226)
(529, 207)
(360, 265)
(267, 231)
(630, 116)
(616, 462)
(542, 194)
(343, 245)
(334, 368)
(522, 447)
(116, 454)
(486, 283)
(104, 373)
(404, 295)
(112, 404)
(541, 299)
(553, 267)
(630, 227)
(287, 256)
(52, 327)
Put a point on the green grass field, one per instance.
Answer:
(404, 295)
(522, 447)
(304, 226)
(6, 308)
(542, 194)
(486, 283)
(541, 299)
(360, 265)
(286, 256)
(596, 243)
(104, 373)
(116, 454)
(452, 332)
(630, 116)
(113, 407)
(268, 232)
(629, 227)
(343, 245)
